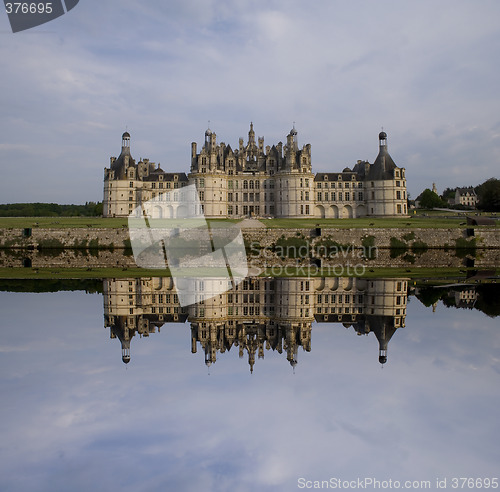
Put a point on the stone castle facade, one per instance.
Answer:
(257, 181)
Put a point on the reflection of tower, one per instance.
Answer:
(138, 306)
(385, 312)
(295, 314)
(121, 331)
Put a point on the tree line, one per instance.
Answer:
(90, 209)
(488, 194)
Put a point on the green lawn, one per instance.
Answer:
(61, 222)
(84, 273)
(64, 222)
(432, 220)
(367, 223)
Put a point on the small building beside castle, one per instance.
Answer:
(466, 197)
(258, 181)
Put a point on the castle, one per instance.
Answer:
(258, 181)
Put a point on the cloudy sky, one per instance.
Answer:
(73, 417)
(426, 71)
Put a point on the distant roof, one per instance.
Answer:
(464, 191)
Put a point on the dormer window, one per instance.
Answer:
(340, 177)
(325, 177)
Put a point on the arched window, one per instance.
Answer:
(245, 185)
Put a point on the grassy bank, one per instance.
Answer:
(434, 222)
(75, 222)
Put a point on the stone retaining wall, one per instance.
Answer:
(104, 238)
(368, 247)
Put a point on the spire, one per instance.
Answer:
(382, 140)
(251, 136)
(126, 143)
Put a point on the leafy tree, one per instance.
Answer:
(50, 210)
(448, 193)
(429, 199)
(489, 195)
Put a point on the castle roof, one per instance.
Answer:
(119, 167)
(155, 176)
(383, 167)
(343, 176)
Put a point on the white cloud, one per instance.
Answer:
(341, 71)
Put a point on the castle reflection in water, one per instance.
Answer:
(257, 315)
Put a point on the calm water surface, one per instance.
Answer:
(75, 417)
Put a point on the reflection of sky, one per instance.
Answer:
(75, 418)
